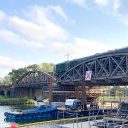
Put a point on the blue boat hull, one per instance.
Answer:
(49, 113)
(45, 115)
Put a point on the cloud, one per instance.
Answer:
(6, 62)
(40, 27)
(80, 48)
(35, 28)
(2, 16)
(102, 3)
(13, 38)
(121, 11)
(116, 5)
(111, 4)
(80, 3)
(117, 8)
(59, 11)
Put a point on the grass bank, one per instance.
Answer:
(15, 101)
(112, 98)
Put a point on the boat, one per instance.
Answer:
(45, 112)
(39, 103)
(120, 120)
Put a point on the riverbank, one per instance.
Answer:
(15, 101)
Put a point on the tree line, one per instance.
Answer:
(15, 74)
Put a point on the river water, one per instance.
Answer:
(4, 109)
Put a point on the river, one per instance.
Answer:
(4, 109)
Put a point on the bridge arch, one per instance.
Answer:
(34, 79)
(2, 93)
(107, 69)
(8, 93)
(32, 84)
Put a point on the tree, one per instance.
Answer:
(7, 80)
(33, 67)
(47, 67)
(16, 74)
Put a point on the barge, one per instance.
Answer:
(45, 112)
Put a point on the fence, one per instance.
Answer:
(80, 122)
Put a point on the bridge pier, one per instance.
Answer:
(77, 92)
(84, 96)
(28, 92)
(31, 93)
(38, 93)
(81, 89)
(21, 92)
(50, 89)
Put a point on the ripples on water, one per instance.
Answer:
(4, 109)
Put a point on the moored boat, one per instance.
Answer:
(120, 120)
(45, 112)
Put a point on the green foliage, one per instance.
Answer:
(15, 101)
(33, 67)
(115, 90)
(7, 80)
(16, 74)
(46, 67)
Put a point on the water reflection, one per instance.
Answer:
(4, 123)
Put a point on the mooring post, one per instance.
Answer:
(77, 92)
(84, 94)
(50, 90)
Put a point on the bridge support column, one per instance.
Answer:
(12, 92)
(77, 92)
(31, 93)
(50, 90)
(84, 101)
(38, 93)
(17, 93)
(20, 92)
(5, 93)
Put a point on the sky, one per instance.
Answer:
(53, 31)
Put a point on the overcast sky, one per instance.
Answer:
(37, 31)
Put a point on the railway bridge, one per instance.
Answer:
(32, 84)
(6, 90)
(110, 68)
(102, 69)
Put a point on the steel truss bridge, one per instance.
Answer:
(33, 83)
(110, 68)
(35, 79)
(107, 69)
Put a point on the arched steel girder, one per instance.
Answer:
(34, 79)
(106, 69)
